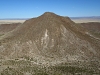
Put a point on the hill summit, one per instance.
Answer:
(50, 37)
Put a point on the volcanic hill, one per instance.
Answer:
(50, 37)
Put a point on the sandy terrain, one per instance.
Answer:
(75, 20)
(11, 21)
(85, 20)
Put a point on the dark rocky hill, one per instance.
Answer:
(4, 28)
(93, 27)
(50, 39)
(50, 35)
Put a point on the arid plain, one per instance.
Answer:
(77, 20)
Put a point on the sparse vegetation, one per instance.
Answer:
(20, 67)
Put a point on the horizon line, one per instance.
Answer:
(34, 17)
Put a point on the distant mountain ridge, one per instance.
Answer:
(88, 17)
(14, 18)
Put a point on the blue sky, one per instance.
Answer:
(34, 8)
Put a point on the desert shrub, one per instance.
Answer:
(41, 73)
(9, 62)
(65, 69)
(11, 71)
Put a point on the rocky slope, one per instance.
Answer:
(50, 39)
(4, 28)
(93, 27)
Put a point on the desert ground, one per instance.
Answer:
(11, 21)
(84, 20)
